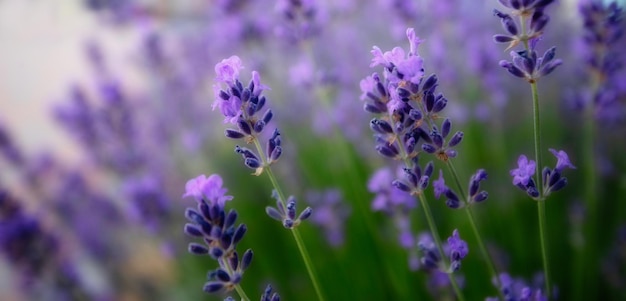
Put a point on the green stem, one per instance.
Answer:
(470, 216)
(541, 212)
(435, 234)
(543, 228)
(241, 292)
(296, 234)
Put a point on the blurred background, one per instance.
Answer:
(106, 112)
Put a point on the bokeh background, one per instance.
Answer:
(105, 113)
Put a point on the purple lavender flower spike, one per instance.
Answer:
(524, 171)
(218, 231)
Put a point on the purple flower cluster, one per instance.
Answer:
(218, 232)
(33, 249)
(456, 249)
(552, 179)
(602, 53)
(517, 290)
(286, 212)
(475, 195)
(239, 105)
(526, 63)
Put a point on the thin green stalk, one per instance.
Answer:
(435, 234)
(470, 216)
(541, 209)
(296, 234)
(541, 212)
(543, 228)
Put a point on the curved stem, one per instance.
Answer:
(296, 234)
(470, 217)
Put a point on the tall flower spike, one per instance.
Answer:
(218, 231)
(240, 106)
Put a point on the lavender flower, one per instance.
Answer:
(239, 105)
(517, 290)
(552, 179)
(524, 171)
(523, 176)
(218, 231)
(268, 295)
(456, 249)
(287, 213)
(528, 66)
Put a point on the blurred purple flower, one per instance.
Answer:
(208, 190)
(524, 171)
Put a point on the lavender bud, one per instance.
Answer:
(429, 148)
(259, 126)
(306, 213)
(212, 287)
(267, 117)
(273, 213)
(445, 127)
(440, 104)
(291, 208)
(456, 139)
(197, 249)
(222, 275)
(239, 233)
(246, 259)
(193, 230)
(233, 134)
(252, 163)
(400, 185)
(500, 38)
(430, 82)
(244, 126)
(481, 196)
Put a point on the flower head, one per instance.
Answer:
(210, 189)
(562, 160)
(227, 70)
(524, 171)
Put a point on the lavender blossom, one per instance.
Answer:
(268, 295)
(287, 213)
(456, 249)
(552, 178)
(523, 176)
(239, 105)
(32, 249)
(218, 231)
(517, 290)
